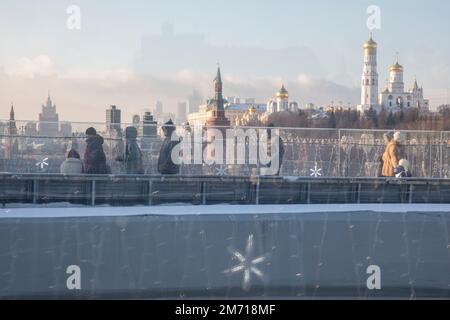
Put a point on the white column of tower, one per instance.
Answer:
(369, 84)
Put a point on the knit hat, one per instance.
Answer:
(73, 154)
(91, 131)
(169, 127)
(404, 163)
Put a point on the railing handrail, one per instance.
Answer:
(171, 178)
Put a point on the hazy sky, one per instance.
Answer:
(101, 64)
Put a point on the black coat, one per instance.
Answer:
(94, 156)
(165, 163)
(402, 172)
(133, 158)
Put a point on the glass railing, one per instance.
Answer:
(305, 152)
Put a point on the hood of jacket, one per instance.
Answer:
(95, 141)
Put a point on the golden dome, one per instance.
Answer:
(252, 109)
(397, 67)
(370, 44)
(283, 93)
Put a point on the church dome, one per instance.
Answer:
(397, 67)
(283, 93)
(252, 109)
(370, 44)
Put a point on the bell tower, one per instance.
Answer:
(369, 82)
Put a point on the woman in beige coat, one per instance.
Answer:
(390, 156)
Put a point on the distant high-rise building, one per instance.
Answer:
(158, 112)
(195, 100)
(181, 112)
(66, 129)
(147, 130)
(12, 128)
(113, 118)
(49, 119)
(10, 143)
(167, 30)
(31, 129)
(148, 127)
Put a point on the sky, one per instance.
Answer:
(121, 56)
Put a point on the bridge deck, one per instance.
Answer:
(305, 251)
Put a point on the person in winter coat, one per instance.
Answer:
(387, 137)
(391, 155)
(72, 164)
(165, 163)
(402, 170)
(94, 156)
(133, 155)
(117, 146)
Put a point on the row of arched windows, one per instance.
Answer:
(367, 82)
(392, 98)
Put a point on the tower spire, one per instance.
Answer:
(416, 86)
(218, 89)
(11, 113)
(218, 75)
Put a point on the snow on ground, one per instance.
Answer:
(44, 211)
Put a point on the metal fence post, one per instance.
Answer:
(358, 194)
(93, 193)
(441, 155)
(411, 189)
(308, 192)
(35, 190)
(339, 154)
(150, 192)
(203, 192)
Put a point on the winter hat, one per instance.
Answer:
(73, 154)
(388, 135)
(404, 163)
(91, 131)
(168, 127)
(169, 123)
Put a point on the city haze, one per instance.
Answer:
(132, 54)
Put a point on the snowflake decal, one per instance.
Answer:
(247, 264)
(221, 171)
(43, 163)
(316, 172)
